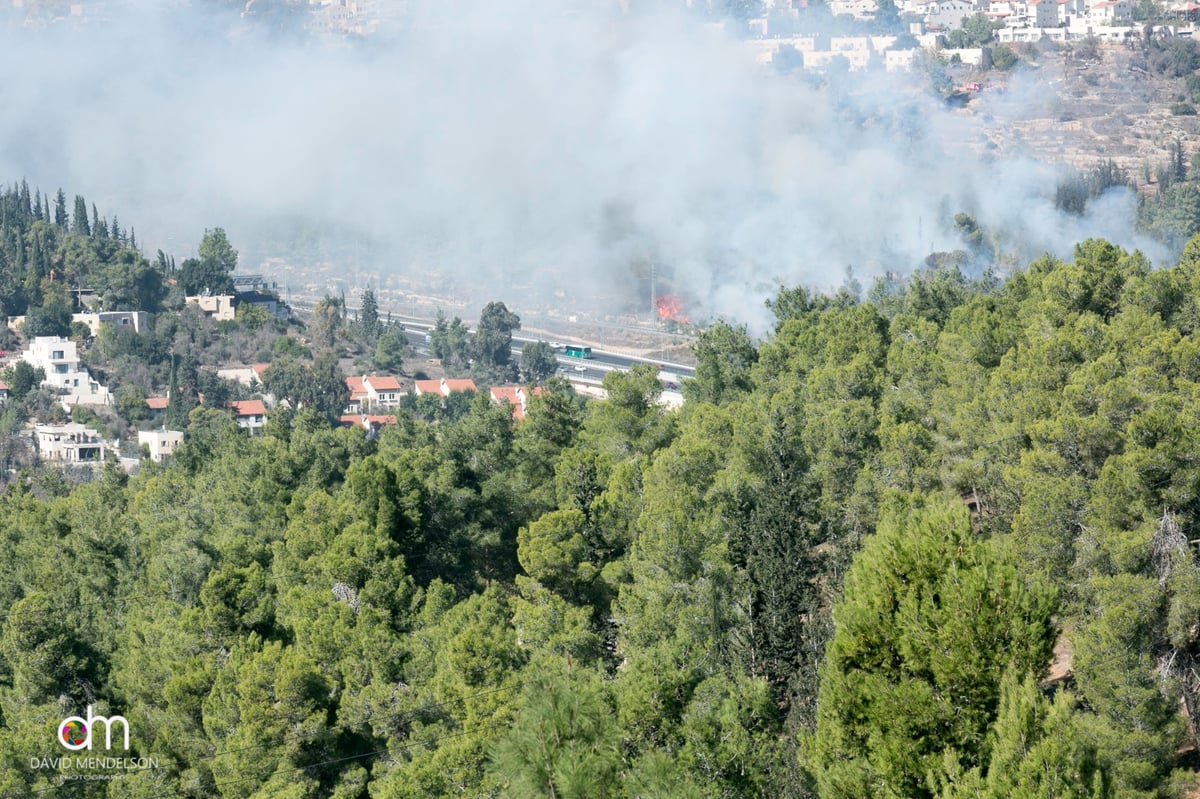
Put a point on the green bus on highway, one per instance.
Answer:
(578, 352)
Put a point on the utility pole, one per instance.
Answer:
(654, 290)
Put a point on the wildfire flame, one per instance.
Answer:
(669, 307)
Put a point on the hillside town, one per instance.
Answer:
(812, 35)
(369, 401)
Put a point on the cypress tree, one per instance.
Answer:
(60, 210)
(79, 221)
(368, 316)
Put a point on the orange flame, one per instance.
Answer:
(669, 307)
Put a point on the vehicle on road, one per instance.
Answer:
(574, 351)
(556, 345)
(580, 368)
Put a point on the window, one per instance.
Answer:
(57, 355)
(60, 368)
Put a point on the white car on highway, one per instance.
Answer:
(580, 368)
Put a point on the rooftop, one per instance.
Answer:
(248, 408)
(382, 383)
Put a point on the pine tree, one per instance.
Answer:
(931, 617)
(564, 742)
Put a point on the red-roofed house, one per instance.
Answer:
(246, 375)
(427, 387)
(358, 394)
(157, 405)
(250, 414)
(517, 397)
(444, 387)
(371, 422)
(382, 391)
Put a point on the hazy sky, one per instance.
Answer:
(507, 142)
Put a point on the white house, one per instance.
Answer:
(947, 14)
(859, 9)
(1044, 13)
(219, 307)
(69, 443)
(382, 391)
(1109, 12)
(856, 60)
(161, 443)
(122, 320)
(899, 60)
(59, 359)
(971, 56)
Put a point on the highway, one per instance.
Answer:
(594, 369)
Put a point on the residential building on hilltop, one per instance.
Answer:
(122, 320)
(517, 397)
(161, 444)
(381, 391)
(374, 392)
(59, 359)
(443, 387)
(69, 443)
(218, 307)
(250, 414)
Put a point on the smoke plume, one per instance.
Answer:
(571, 158)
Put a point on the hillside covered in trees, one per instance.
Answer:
(840, 570)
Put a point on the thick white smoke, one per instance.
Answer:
(512, 144)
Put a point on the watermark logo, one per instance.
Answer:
(76, 733)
